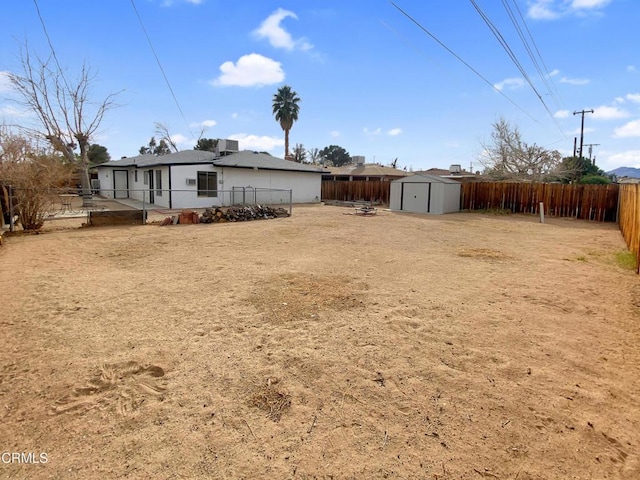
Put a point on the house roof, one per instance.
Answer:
(249, 159)
(368, 170)
(442, 172)
(422, 178)
(244, 159)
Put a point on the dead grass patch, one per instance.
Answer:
(271, 400)
(292, 297)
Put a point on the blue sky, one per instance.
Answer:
(370, 79)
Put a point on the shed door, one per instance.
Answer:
(121, 183)
(415, 197)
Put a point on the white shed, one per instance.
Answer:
(421, 193)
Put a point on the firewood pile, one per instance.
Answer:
(241, 213)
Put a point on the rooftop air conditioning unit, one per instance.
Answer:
(226, 147)
(455, 169)
(358, 159)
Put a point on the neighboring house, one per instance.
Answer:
(628, 180)
(199, 179)
(455, 172)
(363, 171)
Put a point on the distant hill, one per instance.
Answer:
(625, 172)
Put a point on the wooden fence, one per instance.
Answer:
(629, 218)
(356, 191)
(586, 202)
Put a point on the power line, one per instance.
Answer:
(548, 74)
(166, 79)
(507, 48)
(460, 59)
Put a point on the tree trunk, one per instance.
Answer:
(83, 170)
(286, 144)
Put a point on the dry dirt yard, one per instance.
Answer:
(325, 345)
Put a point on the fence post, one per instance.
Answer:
(618, 207)
(144, 208)
(11, 214)
(290, 202)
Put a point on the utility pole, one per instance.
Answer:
(582, 112)
(575, 140)
(591, 145)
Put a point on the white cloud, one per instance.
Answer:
(628, 158)
(609, 113)
(510, 83)
(368, 132)
(250, 70)
(254, 142)
(562, 114)
(168, 3)
(204, 124)
(554, 73)
(334, 133)
(586, 130)
(554, 9)
(588, 4)
(633, 97)
(630, 129)
(13, 112)
(277, 36)
(394, 132)
(631, 68)
(180, 139)
(542, 10)
(574, 81)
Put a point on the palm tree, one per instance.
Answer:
(286, 108)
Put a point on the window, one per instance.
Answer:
(146, 178)
(135, 176)
(159, 183)
(207, 184)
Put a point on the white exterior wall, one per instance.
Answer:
(137, 185)
(138, 190)
(186, 196)
(305, 186)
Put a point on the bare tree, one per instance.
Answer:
(162, 132)
(33, 172)
(67, 115)
(508, 157)
(299, 153)
(314, 156)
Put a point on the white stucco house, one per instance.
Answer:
(199, 179)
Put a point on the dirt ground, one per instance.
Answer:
(325, 345)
